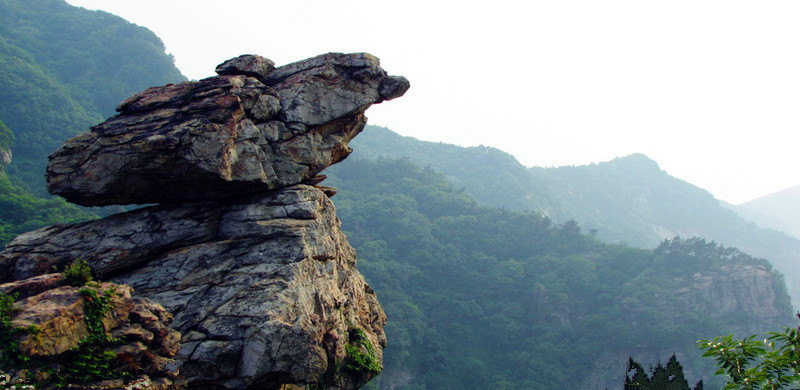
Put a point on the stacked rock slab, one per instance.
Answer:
(244, 131)
(244, 249)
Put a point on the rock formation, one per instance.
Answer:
(245, 250)
(245, 131)
(5, 158)
(56, 311)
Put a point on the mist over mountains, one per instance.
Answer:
(493, 275)
(779, 211)
(627, 200)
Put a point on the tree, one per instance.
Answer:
(661, 378)
(754, 364)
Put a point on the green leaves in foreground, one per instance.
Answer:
(754, 364)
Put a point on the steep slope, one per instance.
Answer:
(65, 68)
(20, 210)
(779, 211)
(491, 176)
(629, 199)
(487, 298)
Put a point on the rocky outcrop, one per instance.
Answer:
(743, 299)
(251, 129)
(245, 250)
(5, 158)
(737, 288)
(52, 327)
(263, 284)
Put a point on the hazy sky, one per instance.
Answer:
(708, 89)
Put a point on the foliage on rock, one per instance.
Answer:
(361, 355)
(78, 273)
(91, 358)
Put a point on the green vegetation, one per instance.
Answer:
(489, 298)
(11, 354)
(490, 176)
(6, 137)
(661, 378)
(63, 69)
(361, 355)
(91, 360)
(751, 364)
(627, 200)
(78, 273)
(21, 211)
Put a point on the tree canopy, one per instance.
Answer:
(481, 297)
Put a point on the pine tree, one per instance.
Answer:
(639, 379)
(661, 378)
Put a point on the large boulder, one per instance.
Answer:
(248, 130)
(264, 288)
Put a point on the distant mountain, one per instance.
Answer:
(491, 176)
(64, 69)
(779, 211)
(629, 199)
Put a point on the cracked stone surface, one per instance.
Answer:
(264, 289)
(146, 342)
(244, 249)
(251, 129)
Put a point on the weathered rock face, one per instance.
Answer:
(56, 311)
(734, 294)
(245, 251)
(737, 288)
(5, 158)
(251, 129)
(264, 289)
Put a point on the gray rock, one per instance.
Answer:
(225, 136)
(5, 158)
(244, 251)
(265, 286)
(246, 65)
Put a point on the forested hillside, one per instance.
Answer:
(491, 176)
(629, 199)
(63, 69)
(501, 292)
(482, 297)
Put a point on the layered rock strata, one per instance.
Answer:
(248, 130)
(245, 250)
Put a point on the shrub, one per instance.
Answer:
(78, 273)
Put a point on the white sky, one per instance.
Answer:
(708, 89)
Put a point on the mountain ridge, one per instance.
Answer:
(628, 199)
(779, 210)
